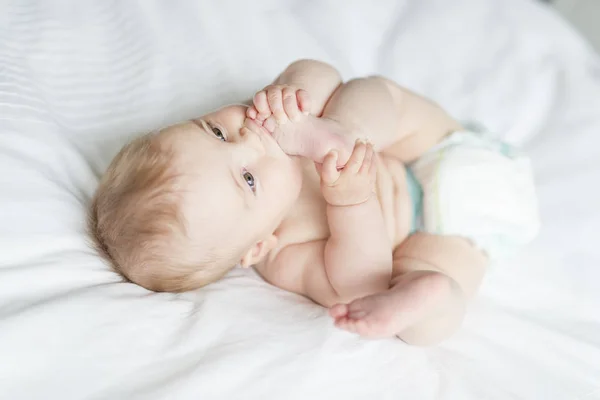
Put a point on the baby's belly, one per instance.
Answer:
(395, 199)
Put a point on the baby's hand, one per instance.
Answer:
(355, 183)
(276, 105)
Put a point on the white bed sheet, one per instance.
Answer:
(78, 78)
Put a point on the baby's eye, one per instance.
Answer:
(249, 180)
(218, 133)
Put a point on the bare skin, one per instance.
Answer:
(345, 244)
(284, 185)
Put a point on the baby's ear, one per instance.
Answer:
(258, 251)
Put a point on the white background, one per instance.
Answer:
(78, 78)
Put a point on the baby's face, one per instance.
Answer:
(241, 184)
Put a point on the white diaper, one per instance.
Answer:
(479, 188)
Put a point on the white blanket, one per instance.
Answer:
(78, 78)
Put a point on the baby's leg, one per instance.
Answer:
(361, 108)
(396, 120)
(393, 119)
(433, 277)
(319, 79)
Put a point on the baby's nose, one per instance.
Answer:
(252, 138)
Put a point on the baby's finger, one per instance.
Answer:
(262, 105)
(270, 124)
(303, 100)
(329, 171)
(274, 97)
(251, 112)
(356, 158)
(366, 164)
(290, 104)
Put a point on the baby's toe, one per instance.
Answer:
(371, 316)
(262, 105)
(303, 100)
(290, 104)
(275, 100)
(251, 112)
(270, 124)
(361, 327)
(338, 310)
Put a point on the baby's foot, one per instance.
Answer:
(411, 300)
(283, 111)
(278, 104)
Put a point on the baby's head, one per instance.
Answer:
(177, 209)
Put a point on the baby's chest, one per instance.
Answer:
(308, 219)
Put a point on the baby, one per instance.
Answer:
(309, 185)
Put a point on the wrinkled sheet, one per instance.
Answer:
(79, 78)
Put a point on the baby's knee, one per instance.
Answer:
(367, 82)
(318, 67)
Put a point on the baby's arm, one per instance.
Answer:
(357, 255)
(356, 260)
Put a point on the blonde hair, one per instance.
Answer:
(135, 221)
